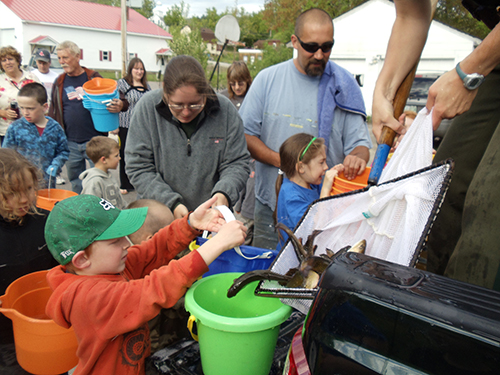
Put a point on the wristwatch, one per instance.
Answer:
(471, 81)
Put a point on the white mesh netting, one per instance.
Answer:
(392, 216)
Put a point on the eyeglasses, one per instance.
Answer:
(240, 83)
(313, 47)
(180, 107)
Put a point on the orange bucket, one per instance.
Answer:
(42, 346)
(342, 185)
(99, 86)
(47, 198)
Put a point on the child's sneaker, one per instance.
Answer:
(60, 180)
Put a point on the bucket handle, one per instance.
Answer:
(229, 216)
(87, 97)
(192, 324)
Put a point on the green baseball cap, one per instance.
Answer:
(76, 222)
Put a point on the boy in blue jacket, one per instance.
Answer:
(39, 138)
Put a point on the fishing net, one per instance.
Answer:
(393, 217)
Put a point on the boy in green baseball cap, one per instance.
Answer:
(108, 290)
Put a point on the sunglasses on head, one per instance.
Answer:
(313, 47)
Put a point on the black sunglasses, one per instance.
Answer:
(313, 47)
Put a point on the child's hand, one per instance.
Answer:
(328, 180)
(231, 234)
(51, 171)
(207, 218)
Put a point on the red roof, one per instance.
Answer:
(81, 13)
(37, 39)
(162, 51)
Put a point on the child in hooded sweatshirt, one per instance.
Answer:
(105, 154)
(108, 290)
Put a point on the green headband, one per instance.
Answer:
(307, 148)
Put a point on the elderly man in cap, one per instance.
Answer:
(67, 109)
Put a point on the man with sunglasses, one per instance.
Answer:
(307, 94)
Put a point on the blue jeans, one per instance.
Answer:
(76, 164)
(264, 235)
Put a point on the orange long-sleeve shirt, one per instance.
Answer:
(109, 313)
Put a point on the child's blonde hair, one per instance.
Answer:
(13, 182)
(100, 146)
(300, 147)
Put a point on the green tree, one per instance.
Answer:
(252, 27)
(453, 13)
(177, 15)
(281, 14)
(271, 56)
(189, 44)
(147, 8)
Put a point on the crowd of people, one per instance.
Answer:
(266, 148)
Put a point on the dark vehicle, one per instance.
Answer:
(55, 66)
(371, 316)
(418, 98)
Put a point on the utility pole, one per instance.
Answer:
(124, 36)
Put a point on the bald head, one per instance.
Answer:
(313, 15)
(158, 217)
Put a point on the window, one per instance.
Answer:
(131, 56)
(104, 55)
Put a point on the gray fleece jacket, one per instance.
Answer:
(163, 164)
(101, 184)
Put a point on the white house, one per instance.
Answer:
(95, 28)
(361, 37)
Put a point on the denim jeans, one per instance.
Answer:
(264, 235)
(76, 164)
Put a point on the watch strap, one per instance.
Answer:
(460, 72)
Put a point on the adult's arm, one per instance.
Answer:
(447, 95)
(407, 40)
(261, 152)
(252, 114)
(355, 162)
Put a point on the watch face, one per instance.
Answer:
(473, 81)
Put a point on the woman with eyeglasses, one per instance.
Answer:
(186, 143)
(238, 83)
(12, 78)
(133, 86)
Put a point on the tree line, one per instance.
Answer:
(276, 21)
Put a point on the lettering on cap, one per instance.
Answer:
(106, 205)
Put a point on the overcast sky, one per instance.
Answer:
(199, 7)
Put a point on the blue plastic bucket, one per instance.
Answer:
(231, 261)
(104, 121)
(237, 335)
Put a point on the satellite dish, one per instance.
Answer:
(227, 29)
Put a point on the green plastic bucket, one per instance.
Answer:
(237, 335)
